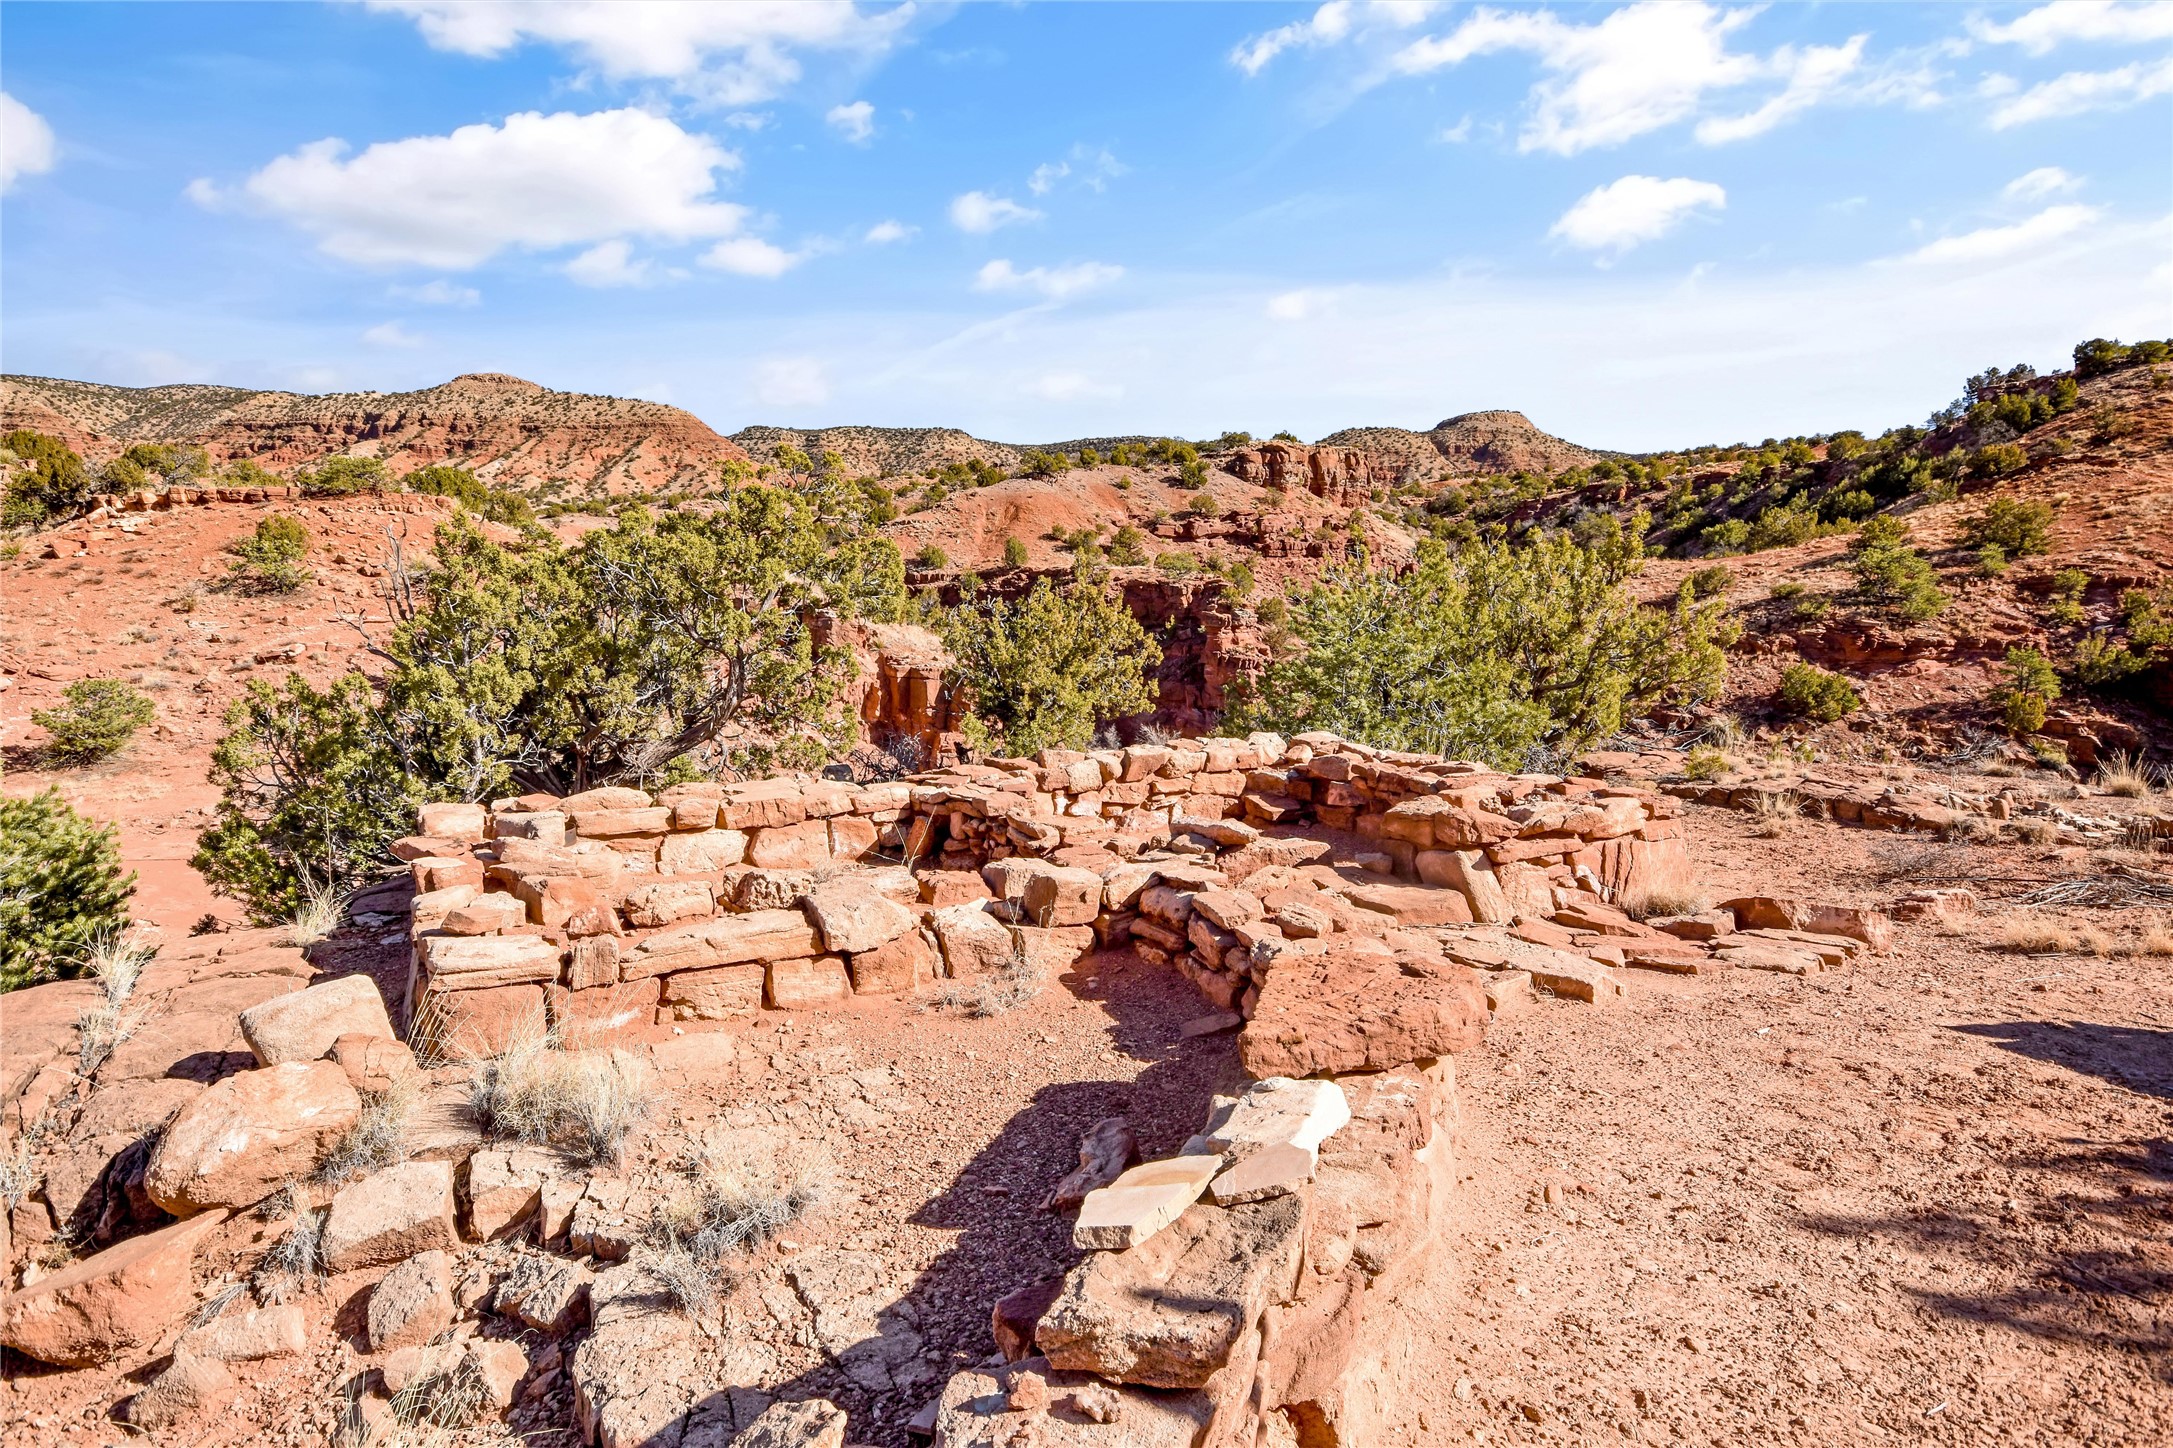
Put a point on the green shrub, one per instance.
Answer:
(464, 488)
(1999, 460)
(645, 649)
(1177, 565)
(1490, 651)
(1816, 694)
(2099, 661)
(1204, 506)
(1991, 560)
(98, 718)
(1050, 669)
(61, 888)
(1892, 574)
(2021, 526)
(270, 559)
(48, 481)
(1813, 606)
(2029, 686)
(123, 475)
(931, 556)
(1126, 546)
(1731, 536)
(1713, 581)
(1042, 464)
(1014, 553)
(1705, 762)
(338, 477)
(1784, 591)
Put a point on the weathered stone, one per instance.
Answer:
(190, 1390)
(467, 1024)
(1765, 912)
(245, 1136)
(763, 803)
(250, 1336)
(1272, 1171)
(701, 852)
(1171, 1312)
(430, 910)
(853, 917)
(1278, 1112)
(108, 1305)
(895, 968)
(1769, 955)
(726, 940)
(593, 961)
(548, 1293)
(1018, 1312)
(391, 1215)
(851, 837)
(302, 1026)
(802, 984)
(1467, 872)
(1109, 1146)
(504, 1186)
(547, 826)
(715, 993)
(605, 797)
(975, 943)
(458, 963)
(667, 902)
(1412, 904)
(412, 1303)
(615, 824)
(489, 914)
(574, 904)
(497, 1367)
(1350, 1009)
(803, 846)
(1057, 896)
(465, 823)
(1141, 1202)
(815, 1423)
(975, 1412)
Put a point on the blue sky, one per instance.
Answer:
(1643, 225)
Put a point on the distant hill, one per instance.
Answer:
(1497, 441)
(512, 432)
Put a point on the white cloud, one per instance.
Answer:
(2085, 90)
(883, 233)
(1094, 166)
(2040, 30)
(1994, 242)
(1293, 306)
(392, 334)
(537, 182)
(1072, 387)
(791, 382)
(1054, 283)
(747, 120)
(438, 293)
(749, 256)
(981, 213)
(1332, 24)
(2044, 181)
(855, 122)
(609, 264)
(1456, 134)
(1045, 177)
(731, 53)
(1634, 210)
(26, 142)
(1813, 72)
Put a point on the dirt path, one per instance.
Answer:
(1925, 1198)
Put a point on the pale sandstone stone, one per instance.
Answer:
(303, 1025)
(1141, 1202)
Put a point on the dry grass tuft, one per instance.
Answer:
(1773, 813)
(1653, 902)
(732, 1205)
(18, 1174)
(322, 909)
(115, 960)
(296, 1262)
(376, 1140)
(2158, 940)
(1018, 982)
(2032, 934)
(585, 1103)
(2034, 831)
(452, 1398)
(2124, 775)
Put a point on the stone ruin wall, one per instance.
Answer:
(1331, 901)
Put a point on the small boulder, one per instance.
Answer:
(302, 1026)
(391, 1215)
(412, 1303)
(108, 1305)
(816, 1423)
(245, 1136)
(1141, 1202)
(262, 1332)
(1109, 1146)
(853, 917)
(190, 1390)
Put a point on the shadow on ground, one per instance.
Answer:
(2132, 1056)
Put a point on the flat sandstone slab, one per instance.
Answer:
(1142, 1202)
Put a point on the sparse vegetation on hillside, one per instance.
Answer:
(45, 480)
(1050, 669)
(2018, 527)
(1492, 651)
(627, 657)
(270, 559)
(61, 889)
(464, 488)
(1816, 694)
(2028, 686)
(1891, 574)
(341, 476)
(96, 718)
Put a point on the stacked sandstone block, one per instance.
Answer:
(706, 901)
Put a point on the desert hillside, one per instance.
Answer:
(504, 430)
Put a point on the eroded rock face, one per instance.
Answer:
(104, 1307)
(1171, 1312)
(243, 1137)
(1351, 1009)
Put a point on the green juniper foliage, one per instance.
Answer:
(61, 888)
(1491, 650)
(96, 718)
(1048, 670)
